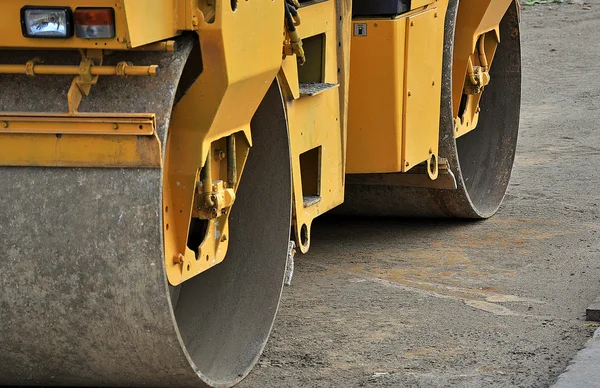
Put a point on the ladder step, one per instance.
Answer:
(314, 88)
(310, 200)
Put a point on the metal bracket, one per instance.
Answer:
(82, 83)
(138, 124)
(221, 199)
(30, 65)
(478, 76)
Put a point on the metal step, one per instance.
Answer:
(314, 88)
(310, 200)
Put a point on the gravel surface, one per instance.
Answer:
(449, 303)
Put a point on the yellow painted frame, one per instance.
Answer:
(237, 72)
(319, 120)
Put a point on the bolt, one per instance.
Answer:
(194, 21)
(412, 24)
(177, 258)
(430, 151)
(224, 238)
(219, 154)
(115, 126)
(5, 124)
(409, 93)
(478, 109)
(407, 164)
(435, 15)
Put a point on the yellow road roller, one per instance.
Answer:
(162, 160)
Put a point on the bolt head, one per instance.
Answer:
(177, 258)
(219, 154)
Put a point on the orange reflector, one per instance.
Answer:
(94, 16)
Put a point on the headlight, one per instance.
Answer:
(46, 22)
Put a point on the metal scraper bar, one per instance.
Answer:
(79, 124)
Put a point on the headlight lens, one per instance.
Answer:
(46, 22)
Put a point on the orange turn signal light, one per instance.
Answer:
(94, 23)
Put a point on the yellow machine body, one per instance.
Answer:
(394, 105)
(376, 103)
(138, 23)
(384, 119)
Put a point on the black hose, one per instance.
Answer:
(289, 20)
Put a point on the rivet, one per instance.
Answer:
(5, 124)
(115, 126)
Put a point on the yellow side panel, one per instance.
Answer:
(376, 98)
(395, 91)
(425, 40)
(150, 20)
